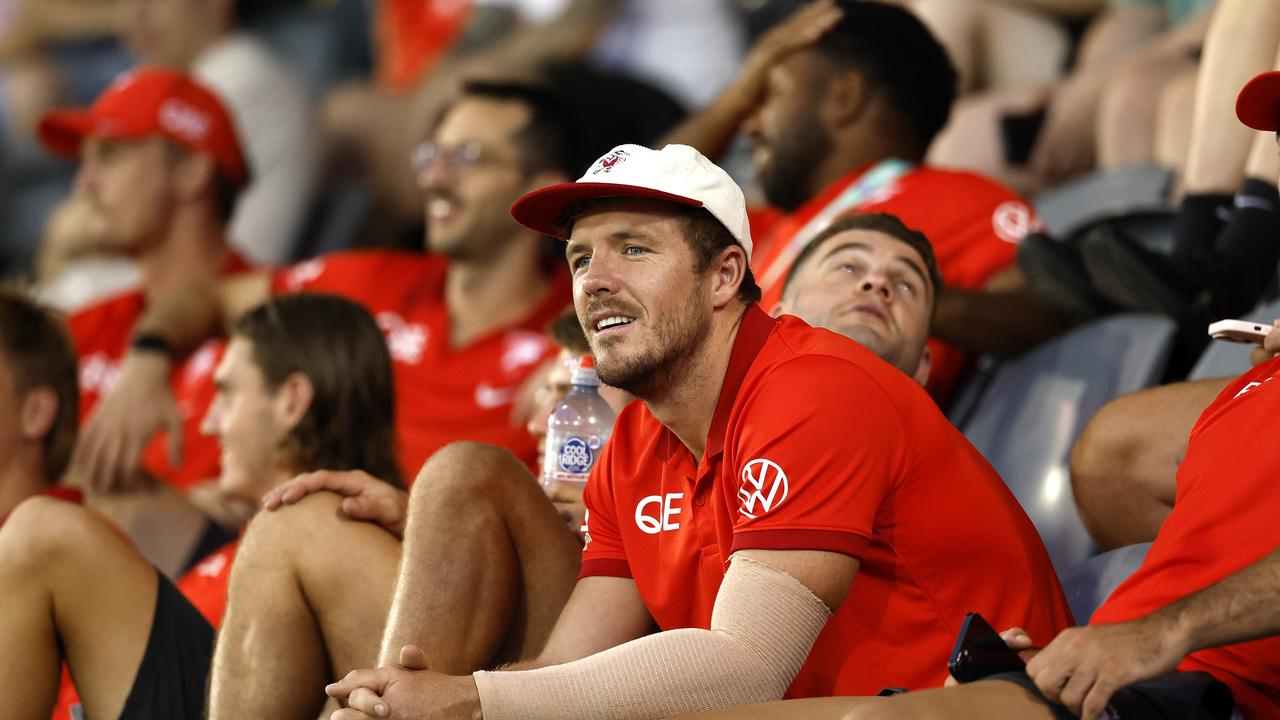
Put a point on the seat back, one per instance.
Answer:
(1105, 193)
(1036, 405)
(1090, 583)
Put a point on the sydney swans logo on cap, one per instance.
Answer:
(183, 120)
(607, 163)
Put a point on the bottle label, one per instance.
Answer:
(575, 456)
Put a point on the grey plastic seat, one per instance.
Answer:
(1117, 192)
(1036, 405)
(1222, 359)
(1089, 584)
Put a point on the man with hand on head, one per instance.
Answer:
(840, 103)
(768, 465)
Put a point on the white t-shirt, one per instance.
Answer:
(273, 118)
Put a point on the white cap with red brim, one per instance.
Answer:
(676, 173)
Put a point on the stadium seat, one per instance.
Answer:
(1091, 582)
(1119, 192)
(1221, 359)
(1036, 405)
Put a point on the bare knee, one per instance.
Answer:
(472, 469)
(1105, 445)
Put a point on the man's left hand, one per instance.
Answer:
(1084, 666)
(408, 691)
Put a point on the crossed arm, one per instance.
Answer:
(140, 403)
(599, 652)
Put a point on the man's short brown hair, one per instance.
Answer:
(38, 352)
(336, 344)
(875, 222)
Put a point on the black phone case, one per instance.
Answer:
(979, 652)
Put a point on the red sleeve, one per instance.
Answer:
(602, 552)
(814, 460)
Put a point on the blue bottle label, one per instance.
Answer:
(575, 456)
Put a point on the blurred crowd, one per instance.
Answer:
(310, 256)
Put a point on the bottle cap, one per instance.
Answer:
(585, 372)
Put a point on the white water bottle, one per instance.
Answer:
(576, 432)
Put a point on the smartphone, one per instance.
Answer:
(980, 652)
(1241, 331)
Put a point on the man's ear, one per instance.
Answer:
(38, 412)
(728, 273)
(293, 399)
(845, 99)
(195, 176)
(921, 374)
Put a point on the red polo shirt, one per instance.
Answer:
(443, 394)
(973, 223)
(101, 334)
(1223, 519)
(817, 444)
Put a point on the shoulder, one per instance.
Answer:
(807, 369)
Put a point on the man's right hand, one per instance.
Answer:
(140, 403)
(795, 33)
(364, 497)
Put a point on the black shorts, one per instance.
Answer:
(1172, 696)
(174, 672)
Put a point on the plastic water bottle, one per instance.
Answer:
(576, 432)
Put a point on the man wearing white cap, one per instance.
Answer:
(768, 465)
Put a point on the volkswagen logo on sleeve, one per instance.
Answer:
(764, 487)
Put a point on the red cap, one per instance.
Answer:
(1258, 104)
(148, 102)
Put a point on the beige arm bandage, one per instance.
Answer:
(762, 626)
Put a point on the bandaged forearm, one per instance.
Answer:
(762, 626)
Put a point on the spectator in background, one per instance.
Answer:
(841, 102)
(160, 169)
(305, 384)
(271, 115)
(1128, 87)
(464, 322)
(1225, 244)
(1001, 45)
(425, 49)
(38, 401)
